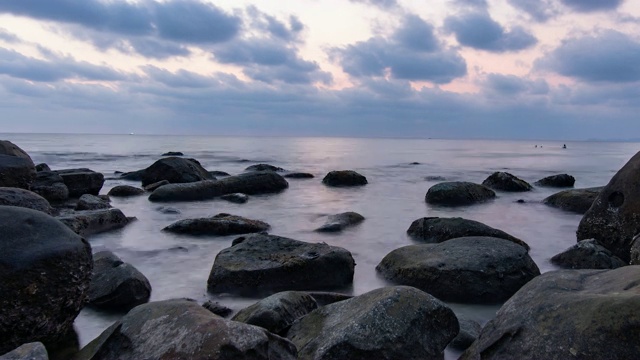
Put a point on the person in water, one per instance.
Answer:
(564, 146)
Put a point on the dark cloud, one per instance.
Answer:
(539, 10)
(152, 48)
(478, 30)
(511, 85)
(592, 5)
(473, 4)
(416, 34)
(8, 37)
(609, 56)
(287, 31)
(385, 4)
(180, 79)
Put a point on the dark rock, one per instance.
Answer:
(133, 175)
(587, 254)
(323, 298)
(263, 167)
(414, 163)
(299, 175)
(506, 182)
(216, 173)
(567, 314)
(154, 186)
(10, 196)
(82, 181)
(91, 222)
(341, 221)
(44, 280)
(42, 167)
(344, 178)
(237, 198)
(50, 186)
(16, 168)
(217, 308)
(469, 332)
(182, 329)
(167, 210)
(30, 351)
(561, 180)
(125, 190)
(250, 183)
(521, 201)
(436, 230)
(173, 153)
(574, 200)
(390, 323)
(435, 178)
(91, 202)
(277, 312)
(270, 264)
(218, 225)
(115, 284)
(454, 193)
(176, 170)
(466, 270)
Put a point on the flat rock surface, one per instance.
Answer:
(218, 225)
(91, 222)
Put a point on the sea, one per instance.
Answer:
(178, 266)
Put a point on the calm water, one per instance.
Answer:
(391, 201)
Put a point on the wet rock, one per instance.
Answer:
(436, 230)
(81, 181)
(344, 178)
(176, 170)
(341, 221)
(133, 175)
(267, 264)
(456, 193)
(44, 280)
(251, 183)
(182, 329)
(154, 186)
(218, 225)
(50, 186)
(469, 332)
(414, 163)
(116, 285)
(91, 222)
(298, 175)
(277, 312)
(30, 351)
(167, 210)
(506, 182)
(237, 198)
(587, 254)
(42, 167)
(323, 298)
(574, 200)
(16, 167)
(125, 191)
(560, 180)
(10, 196)
(91, 202)
(217, 308)
(390, 323)
(567, 314)
(435, 178)
(173, 153)
(467, 270)
(217, 173)
(263, 167)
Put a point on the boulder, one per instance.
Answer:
(299, 175)
(217, 308)
(116, 285)
(263, 167)
(154, 186)
(216, 173)
(574, 200)
(251, 183)
(168, 210)
(466, 270)
(44, 280)
(435, 178)
(469, 332)
(323, 298)
(125, 190)
(133, 175)
(267, 264)
(173, 153)
(218, 225)
(10, 196)
(567, 314)
(587, 254)
(277, 312)
(237, 198)
(50, 186)
(344, 178)
(30, 351)
(506, 182)
(176, 170)
(182, 329)
(91, 222)
(560, 180)
(91, 202)
(82, 181)
(455, 193)
(436, 230)
(16, 171)
(42, 167)
(341, 221)
(389, 323)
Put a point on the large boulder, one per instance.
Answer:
(344, 178)
(91, 222)
(269, 264)
(125, 191)
(252, 183)
(182, 329)
(10, 196)
(263, 167)
(50, 186)
(587, 254)
(44, 280)
(436, 230)
(506, 182)
(218, 225)
(455, 193)
(467, 270)
(469, 332)
(91, 202)
(339, 222)
(389, 323)
(176, 170)
(574, 200)
(567, 314)
(614, 217)
(30, 351)
(133, 175)
(16, 167)
(560, 180)
(82, 181)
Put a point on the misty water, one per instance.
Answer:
(178, 266)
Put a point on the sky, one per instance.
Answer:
(502, 69)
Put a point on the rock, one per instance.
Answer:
(182, 329)
(344, 178)
(251, 183)
(237, 198)
(269, 264)
(263, 167)
(133, 175)
(574, 200)
(389, 323)
(167, 210)
(10, 196)
(42, 167)
(218, 225)
(469, 332)
(414, 163)
(91, 202)
(176, 170)
(16, 167)
(217, 308)
(50, 186)
(173, 153)
(454, 193)
(467, 270)
(299, 175)
(217, 173)
(91, 222)
(155, 185)
(587, 254)
(506, 182)
(44, 280)
(125, 190)
(115, 284)
(277, 312)
(435, 178)
(560, 180)
(30, 351)
(323, 298)
(436, 230)
(341, 221)
(567, 314)
(82, 181)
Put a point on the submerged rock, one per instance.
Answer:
(506, 182)
(91, 222)
(341, 221)
(82, 181)
(125, 190)
(176, 170)
(455, 193)
(560, 180)
(344, 178)
(30, 351)
(587, 254)
(133, 175)
(299, 175)
(263, 167)
(217, 173)
(155, 185)
(10, 196)
(218, 225)
(173, 153)
(91, 202)
(16, 167)
(574, 200)
(237, 198)
(50, 186)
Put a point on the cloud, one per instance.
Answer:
(511, 85)
(8, 37)
(592, 5)
(472, 4)
(384, 4)
(539, 10)
(289, 31)
(479, 31)
(608, 56)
